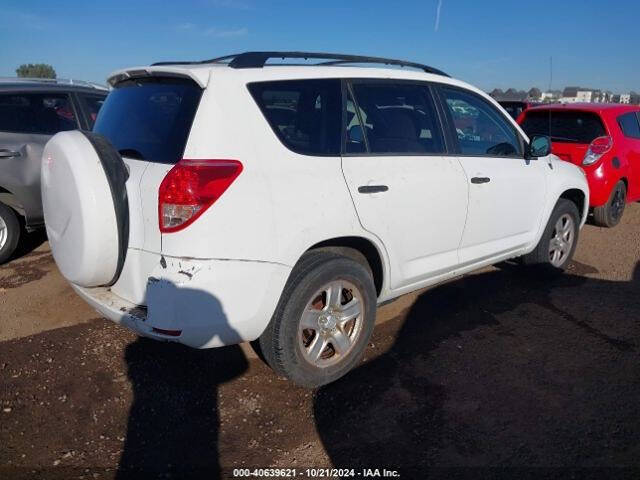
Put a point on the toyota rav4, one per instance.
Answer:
(235, 199)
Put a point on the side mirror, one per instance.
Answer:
(539, 146)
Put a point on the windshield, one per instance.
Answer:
(150, 118)
(566, 126)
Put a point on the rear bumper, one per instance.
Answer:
(211, 303)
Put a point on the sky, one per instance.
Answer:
(491, 44)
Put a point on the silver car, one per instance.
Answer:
(31, 111)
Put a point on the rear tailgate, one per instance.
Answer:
(571, 130)
(148, 120)
(147, 117)
(571, 152)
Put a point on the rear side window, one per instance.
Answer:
(397, 118)
(150, 118)
(36, 113)
(629, 125)
(92, 105)
(481, 128)
(564, 126)
(304, 114)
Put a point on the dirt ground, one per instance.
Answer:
(503, 369)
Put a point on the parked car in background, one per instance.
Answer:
(232, 200)
(604, 140)
(515, 108)
(31, 111)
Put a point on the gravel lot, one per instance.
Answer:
(501, 368)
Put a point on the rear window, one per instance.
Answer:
(566, 126)
(305, 114)
(39, 113)
(150, 118)
(629, 125)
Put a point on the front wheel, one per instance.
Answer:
(9, 232)
(559, 240)
(323, 321)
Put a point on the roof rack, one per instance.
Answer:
(259, 60)
(57, 81)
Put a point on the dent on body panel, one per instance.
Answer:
(177, 301)
(21, 176)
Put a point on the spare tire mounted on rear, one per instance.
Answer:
(86, 207)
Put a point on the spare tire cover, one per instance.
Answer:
(85, 206)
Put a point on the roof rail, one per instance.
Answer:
(259, 60)
(57, 81)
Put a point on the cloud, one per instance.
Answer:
(214, 32)
(211, 31)
(185, 26)
(438, 8)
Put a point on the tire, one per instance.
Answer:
(9, 232)
(542, 255)
(85, 206)
(321, 354)
(610, 214)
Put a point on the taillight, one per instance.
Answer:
(598, 147)
(191, 187)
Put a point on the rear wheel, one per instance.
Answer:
(323, 321)
(610, 214)
(558, 243)
(9, 232)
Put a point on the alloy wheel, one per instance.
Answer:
(331, 323)
(4, 233)
(562, 240)
(617, 203)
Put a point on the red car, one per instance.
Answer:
(604, 140)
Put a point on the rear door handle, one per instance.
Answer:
(480, 180)
(8, 154)
(372, 188)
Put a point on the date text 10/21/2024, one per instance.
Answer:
(315, 473)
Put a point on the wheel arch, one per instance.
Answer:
(11, 200)
(578, 197)
(358, 248)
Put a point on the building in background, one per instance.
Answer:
(568, 95)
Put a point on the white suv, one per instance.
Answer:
(236, 199)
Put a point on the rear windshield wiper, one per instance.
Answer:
(564, 139)
(131, 153)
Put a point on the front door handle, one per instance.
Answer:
(372, 188)
(477, 180)
(8, 154)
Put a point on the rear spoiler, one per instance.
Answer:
(200, 75)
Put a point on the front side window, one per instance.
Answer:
(36, 113)
(397, 118)
(629, 125)
(480, 128)
(355, 141)
(304, 114)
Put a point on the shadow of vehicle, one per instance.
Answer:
(506, 368)
(29, 241)
(174, 420)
